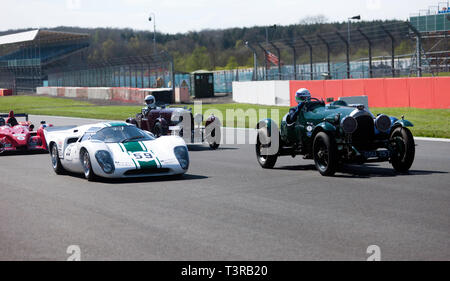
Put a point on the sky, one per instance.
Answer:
(179, 16)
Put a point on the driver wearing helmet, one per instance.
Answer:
(302, 97)
(150, 101)
(12, 121)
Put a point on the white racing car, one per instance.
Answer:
(115, 150)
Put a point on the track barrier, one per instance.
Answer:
(430, 92)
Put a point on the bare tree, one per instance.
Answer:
(317, 19)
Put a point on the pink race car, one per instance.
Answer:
(20, 136)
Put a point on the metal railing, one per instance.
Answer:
(151, 71)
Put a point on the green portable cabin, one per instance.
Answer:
(202, 84)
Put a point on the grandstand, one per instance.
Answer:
(25, 57)
(433, 19)
(433, 27)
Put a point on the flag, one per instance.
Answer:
(273, 59)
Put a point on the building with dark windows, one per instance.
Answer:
(25, 57)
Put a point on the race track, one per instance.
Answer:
(228, 208)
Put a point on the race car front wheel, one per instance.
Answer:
(325, 154)
(214, 141)
(266, 161)
(405, 149)
(87, 166)
(56, 162)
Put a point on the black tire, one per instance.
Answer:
(85, 159)
(158, 130)
(215, 145)
(325, 154)
(403, 141)
(56, 162)
(267, 161)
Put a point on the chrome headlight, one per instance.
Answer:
(182, 155)
(349, 125)
(105, 161)
(383, 123)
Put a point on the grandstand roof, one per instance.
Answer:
(43, 36)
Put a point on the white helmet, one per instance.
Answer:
(302, 95)
(150, 100)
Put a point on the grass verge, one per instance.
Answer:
(428, 122)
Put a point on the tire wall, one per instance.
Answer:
(126, 95)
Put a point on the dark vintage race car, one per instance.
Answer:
(164, 120)
(20, 136)
(337, 133)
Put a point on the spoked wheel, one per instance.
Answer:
(87, 166)
(405, 149)
(2, 148)
(325, 155)
(266, 161)
(56, 162)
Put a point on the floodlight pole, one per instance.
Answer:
(153, 18)
(349, 32)
(349, 23)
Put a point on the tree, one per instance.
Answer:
(199, 59)
(232, 63)
(317, 19)
(108, 49)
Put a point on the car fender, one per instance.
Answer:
(269, 123)
(92, 148)
(323, 127)
(163, 149)
(402, 123)
(169, 142)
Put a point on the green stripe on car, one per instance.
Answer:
(135, 164)
(133, 147)
(143, 146)
(157, 159)
(148, 165)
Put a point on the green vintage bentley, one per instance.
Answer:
(337, 133)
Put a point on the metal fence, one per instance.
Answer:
(381, 67)
(320, 47)
(151, 71)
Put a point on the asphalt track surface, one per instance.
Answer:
(228, 208)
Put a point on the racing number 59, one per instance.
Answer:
(140, 156)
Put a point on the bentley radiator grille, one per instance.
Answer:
(365, 133)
